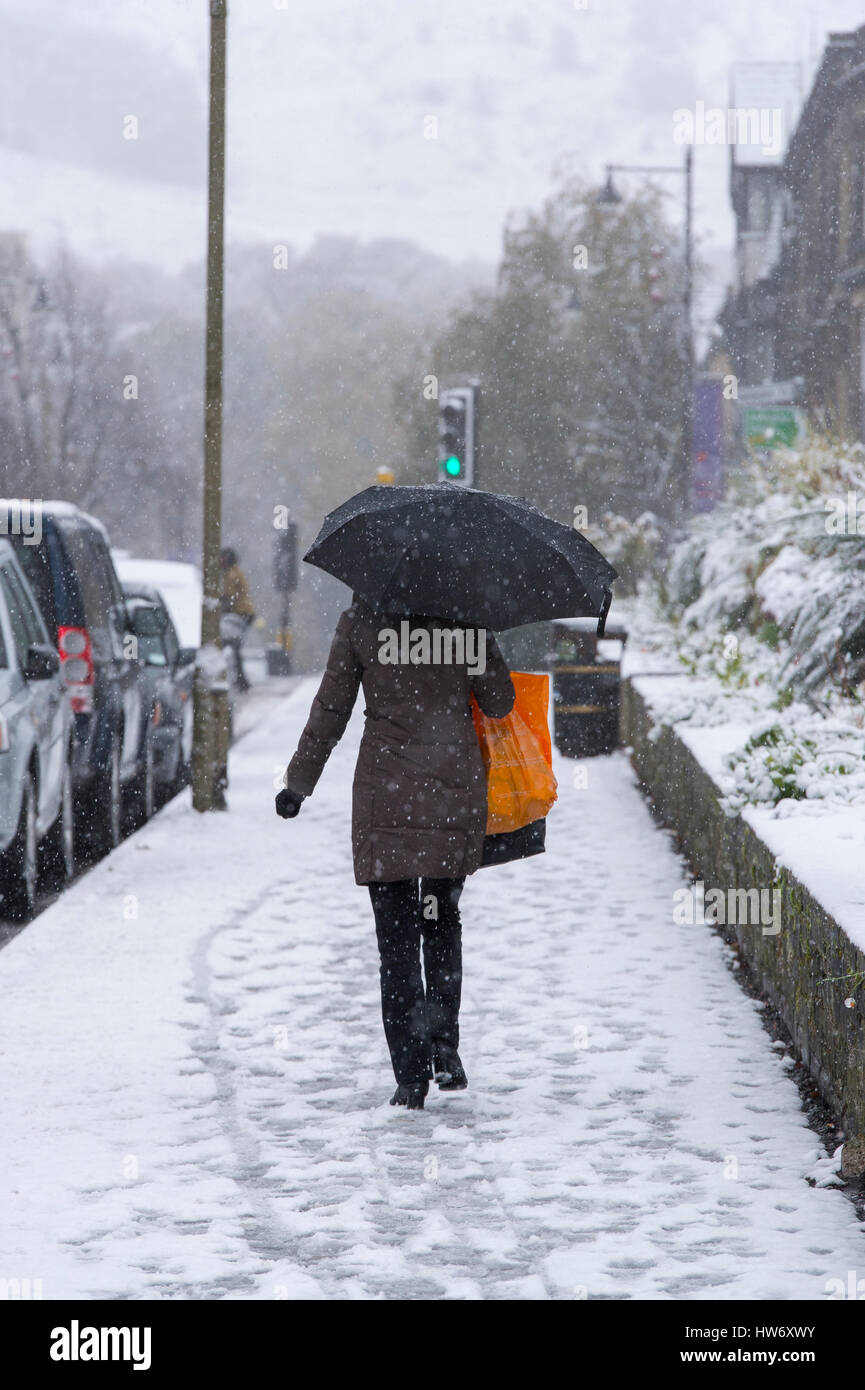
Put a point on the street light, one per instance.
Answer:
(608, 197)
(609, 193)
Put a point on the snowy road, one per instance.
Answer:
(195, 1076)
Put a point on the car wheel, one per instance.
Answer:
(103, 808)
(141, 803)
(58, 847)
(115, 796)
(19, 871)
(148, 780)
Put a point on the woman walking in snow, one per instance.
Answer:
(419, 809)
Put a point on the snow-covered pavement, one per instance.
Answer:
(195, 1077)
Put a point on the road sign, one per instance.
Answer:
(771, 426)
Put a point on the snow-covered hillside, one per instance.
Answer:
(327, 104)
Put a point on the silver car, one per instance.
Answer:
(35, 728)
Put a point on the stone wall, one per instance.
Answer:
(810, 948)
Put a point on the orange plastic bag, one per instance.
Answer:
(521, 785)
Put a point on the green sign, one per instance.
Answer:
(771, 426)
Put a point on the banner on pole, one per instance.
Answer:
(707, 465)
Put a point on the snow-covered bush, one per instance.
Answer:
(817, 759)
(631, 546)
(781, 560)
(763, 604)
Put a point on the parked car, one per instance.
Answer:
(68, 564)
(36, 804)
(168, 672)
(178, 585)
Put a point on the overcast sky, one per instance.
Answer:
(327, 107)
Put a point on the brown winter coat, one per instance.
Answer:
(235, 592)
(419, 803)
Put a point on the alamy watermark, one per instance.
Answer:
(845, 516)
(732, 125)
(77, 1343)
(702, 906)
(22, 516)
(437, 646)
(853, 1288)
(13, 1290)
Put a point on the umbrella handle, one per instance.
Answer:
(605, 608)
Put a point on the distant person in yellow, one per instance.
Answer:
(235, 600)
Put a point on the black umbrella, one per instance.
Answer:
(469, 557)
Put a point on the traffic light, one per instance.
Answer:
(457, 435)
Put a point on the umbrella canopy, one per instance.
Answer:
(470, 557)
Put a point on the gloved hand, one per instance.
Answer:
(288, 803)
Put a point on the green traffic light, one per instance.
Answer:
(453, 467)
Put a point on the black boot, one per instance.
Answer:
(448, 1069)
(411, 1096)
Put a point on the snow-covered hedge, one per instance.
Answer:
(784, 559)
(818, 759)
(631, 545)
(763, 603)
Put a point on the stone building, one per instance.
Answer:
(793, 325)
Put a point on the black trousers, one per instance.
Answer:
(237, 644)
(412, 915)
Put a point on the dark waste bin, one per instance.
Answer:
(278, 660)
(586, 679)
